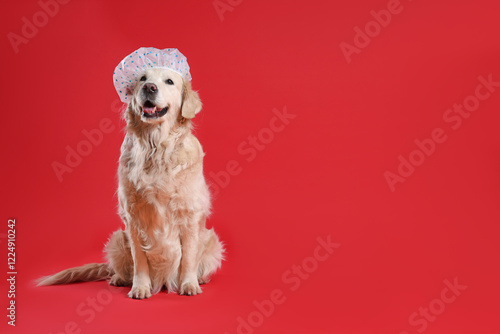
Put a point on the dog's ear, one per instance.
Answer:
(191, 103)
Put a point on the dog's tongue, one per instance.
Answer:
(149, 110)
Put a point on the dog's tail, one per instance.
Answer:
(87, 273)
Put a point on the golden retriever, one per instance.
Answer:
(163, 197)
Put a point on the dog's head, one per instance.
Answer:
(161, 95)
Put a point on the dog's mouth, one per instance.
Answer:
(149, 110)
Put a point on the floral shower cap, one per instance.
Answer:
(130, 69)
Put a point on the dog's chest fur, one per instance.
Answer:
(147, 168)
(153, 173)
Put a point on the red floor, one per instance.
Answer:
(352, 148)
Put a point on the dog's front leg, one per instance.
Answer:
(141, 284)
(190, 236)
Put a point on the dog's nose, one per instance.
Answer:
(150, 88)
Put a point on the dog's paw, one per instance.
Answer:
(190, 289)
(140, 292)
(117, 281)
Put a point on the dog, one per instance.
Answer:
(163, 198)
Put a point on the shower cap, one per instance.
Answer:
(130, 69)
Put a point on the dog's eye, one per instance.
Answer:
(143, 78)
(169, 82)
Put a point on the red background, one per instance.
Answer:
(322, 175)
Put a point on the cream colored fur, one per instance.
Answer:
(163, 200)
